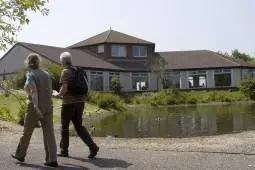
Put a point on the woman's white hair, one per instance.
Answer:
(66, 58)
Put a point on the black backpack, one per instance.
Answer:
(79, 85)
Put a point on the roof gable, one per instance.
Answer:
(110, 36)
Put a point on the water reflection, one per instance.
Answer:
(178, 122)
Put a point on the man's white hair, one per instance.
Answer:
(66, 58)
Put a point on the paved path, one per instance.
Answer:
(135, 153)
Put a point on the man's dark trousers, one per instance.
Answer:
(73, 112)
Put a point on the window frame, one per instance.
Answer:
(139, 51)
(119, 51)
(100, 49)
(201, 75)
(140, 75)
(222, 72)
(97, 74)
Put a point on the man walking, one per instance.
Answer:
(73, 105)
(40, 107)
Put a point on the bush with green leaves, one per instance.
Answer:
(172, 97)
(21, 114)
(247, 87)
(106, 100)
(116, 86)
(6, 115)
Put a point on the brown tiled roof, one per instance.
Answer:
(80, 58)
(183, 60)
(110, 36)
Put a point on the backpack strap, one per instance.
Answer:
(73, 68)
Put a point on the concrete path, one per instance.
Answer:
(221, 152)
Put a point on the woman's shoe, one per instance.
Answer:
(17, 158)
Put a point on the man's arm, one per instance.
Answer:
(64, 83)
(63, 89)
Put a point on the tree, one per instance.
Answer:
(13, 15)
(242, 56)
(247, 87)
(116, 86)
(158, 66)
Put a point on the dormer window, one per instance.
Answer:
(139, 51)
(118, 51)
(100, 49)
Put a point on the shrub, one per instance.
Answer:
(106, 100)
(191, 99)
(116, 86)
(6, 115)
(22, 114)
(247, 87)
(171, 97)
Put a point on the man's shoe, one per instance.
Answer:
(93, 152)
(51, 164)
(62, 154)
(17, 158)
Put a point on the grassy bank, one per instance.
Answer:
(12, 109)
(172, 97)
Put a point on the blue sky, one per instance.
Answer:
(172, 24)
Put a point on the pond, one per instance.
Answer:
(186, 121)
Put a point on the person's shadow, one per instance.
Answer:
(66, 166)
(105, 162)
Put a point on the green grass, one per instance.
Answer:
(11, 105)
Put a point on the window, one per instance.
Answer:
(222, 78)
(139, 51)
(118, 51)
(171, 80)
(175, 79)
(197, 79)
(248, 73)
(113, 75)
(140, 81)
(97, 81)
(100, 49)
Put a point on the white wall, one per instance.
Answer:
(236, 77)
(153, 81)
(210, 79)
(106, 81)
(126, 81)
(184, 80)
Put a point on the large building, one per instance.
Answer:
(137, 65)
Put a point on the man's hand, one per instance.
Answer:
(56, 94)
